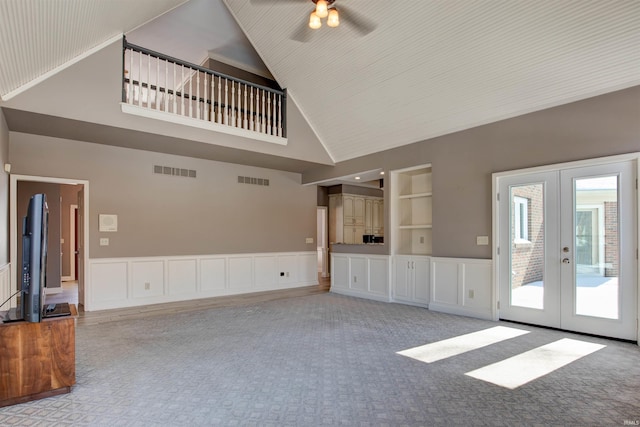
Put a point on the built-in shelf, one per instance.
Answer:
(411, 211)
(414, 196)
(414, 227)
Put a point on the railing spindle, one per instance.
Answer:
(279, 115)
(226, 102)
(219, 100)
(233, 104)
(166, 85)
(158, 93)
(263, 121)
(175, 105)
(244, 121)
(252, 123)
(131, 77)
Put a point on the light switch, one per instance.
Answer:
(104, 241)
(309, 240)
(482, 240)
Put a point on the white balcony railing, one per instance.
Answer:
(160, 83)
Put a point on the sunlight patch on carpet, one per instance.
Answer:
(523, 368)
(439, 350)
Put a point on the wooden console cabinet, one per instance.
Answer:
(37, 360)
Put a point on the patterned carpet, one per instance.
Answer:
(324, 360)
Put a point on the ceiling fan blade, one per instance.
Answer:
(357, 21)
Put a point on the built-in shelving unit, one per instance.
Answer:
(411, 211)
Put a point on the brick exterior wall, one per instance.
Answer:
(611, 248)
(527, 259)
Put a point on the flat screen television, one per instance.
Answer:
(34, 258)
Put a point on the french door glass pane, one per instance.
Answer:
(527, 245)
(596, 247)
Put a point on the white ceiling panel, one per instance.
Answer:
(40, 35)
(434, 67)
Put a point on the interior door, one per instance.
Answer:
(80, 248)
(568, 249)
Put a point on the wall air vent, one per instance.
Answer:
(254, 181)
(168, 170)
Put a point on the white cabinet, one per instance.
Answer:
(411, 279)
(351, 217)
(411, 211)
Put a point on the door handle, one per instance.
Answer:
(565, 260)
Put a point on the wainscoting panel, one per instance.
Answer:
(127, 282)
(182, 276)
(213, 273)
(109, 283)
(241, 273)
(359, 275)
(462, 286)
(147, 279)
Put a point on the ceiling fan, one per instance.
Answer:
(327, 9)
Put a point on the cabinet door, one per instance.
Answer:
(378, 213)
(402, 278)
(421, 279)
(358, 210)
(348, 209)
(368, 216)
(349, 234)
(358, 232)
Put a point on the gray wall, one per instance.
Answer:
(65, 94)
(27, 189)
(463, 162)
(162, 215)
(4, 192)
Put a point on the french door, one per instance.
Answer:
(567, 242)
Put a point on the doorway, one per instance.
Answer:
(81, 231)
(322, 240)
(567, 241)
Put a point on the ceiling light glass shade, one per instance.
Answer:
(322, 8)
(333, 20)
(314, 21)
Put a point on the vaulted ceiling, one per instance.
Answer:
(428, 68)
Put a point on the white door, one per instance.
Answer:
(568, 249)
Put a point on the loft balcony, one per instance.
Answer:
(165, 88)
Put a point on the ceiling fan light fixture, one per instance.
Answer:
(333, 20)
(314, 21)
(322, 8)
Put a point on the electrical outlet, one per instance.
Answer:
(147, 286)
(104, 241)
(422, 239)
(471, 293)
(355, 279)
(287, 274)
(309, 240)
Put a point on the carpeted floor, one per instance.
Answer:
(324, 360)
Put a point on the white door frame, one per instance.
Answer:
(322, 238)
(581, 163)
(72, 242)
(13, 220)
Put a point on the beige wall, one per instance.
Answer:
(464, 161)
(4, 192)
(165, 215)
